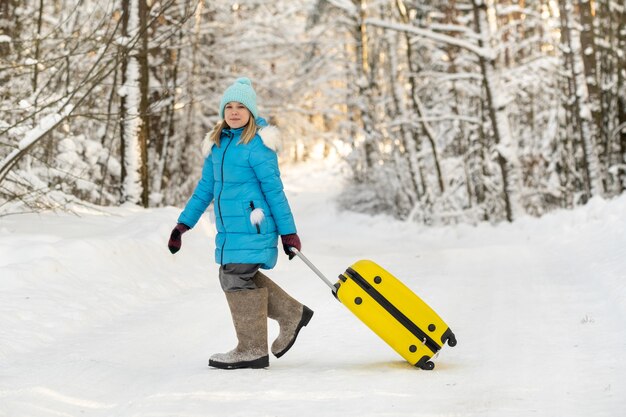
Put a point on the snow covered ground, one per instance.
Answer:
(98, 319)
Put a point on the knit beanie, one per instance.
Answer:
(241, 91)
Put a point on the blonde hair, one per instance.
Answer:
(246, 136)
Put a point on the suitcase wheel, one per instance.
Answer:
(425, 364)
(448, 337)
(429, 366)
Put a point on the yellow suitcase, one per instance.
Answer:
(394, 312)
(389, 308)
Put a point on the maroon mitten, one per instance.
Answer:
(291, 241)
(175, 238)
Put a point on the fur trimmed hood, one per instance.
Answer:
(270, 135)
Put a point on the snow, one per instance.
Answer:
(483, 52)
(346, 6)
(45, 124)
(97, 318)
(31, 136)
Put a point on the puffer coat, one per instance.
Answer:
(251, 208)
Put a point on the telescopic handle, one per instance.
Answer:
(313, 268)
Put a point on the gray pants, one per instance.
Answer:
(237, 277)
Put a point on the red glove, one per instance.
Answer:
(175, 241)
(291, 241)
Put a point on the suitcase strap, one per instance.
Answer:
(393, 310)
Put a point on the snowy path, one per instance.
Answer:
(97, 319)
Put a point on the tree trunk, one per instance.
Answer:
(133, 129)
(364, 85)
(505, 144)
(410, 186)
(418, 108)
(620, 130)
(399, 140)
(37, 44)
(168, 128)
(179, 161)
(144, 86)
(588, 52)
(592, 183)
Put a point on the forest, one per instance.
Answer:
(443, 112)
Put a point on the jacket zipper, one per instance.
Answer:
(258, 228)
(219, 199)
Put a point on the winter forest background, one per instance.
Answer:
(444, 111)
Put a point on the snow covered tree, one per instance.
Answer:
(134, 128)
(447, 111)
(51, 77)
(608, 22)
(577, 91)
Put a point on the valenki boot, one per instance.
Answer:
(288, 312)
(249, 311)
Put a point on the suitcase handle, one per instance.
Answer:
(313, 268)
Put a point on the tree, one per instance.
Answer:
(446, 111)
(580, 120)
(134, 124)
(49, 103)
(505, 145)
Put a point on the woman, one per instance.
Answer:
(241, 174)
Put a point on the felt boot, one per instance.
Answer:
(249, 311)
(288, 312)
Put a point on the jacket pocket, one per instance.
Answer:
(255, 216)
(259, 217)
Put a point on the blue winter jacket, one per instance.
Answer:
(242, 178)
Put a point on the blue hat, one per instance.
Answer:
(241, 91)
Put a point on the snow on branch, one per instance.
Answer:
(486, 53)
(346, 6)
(45, 125)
